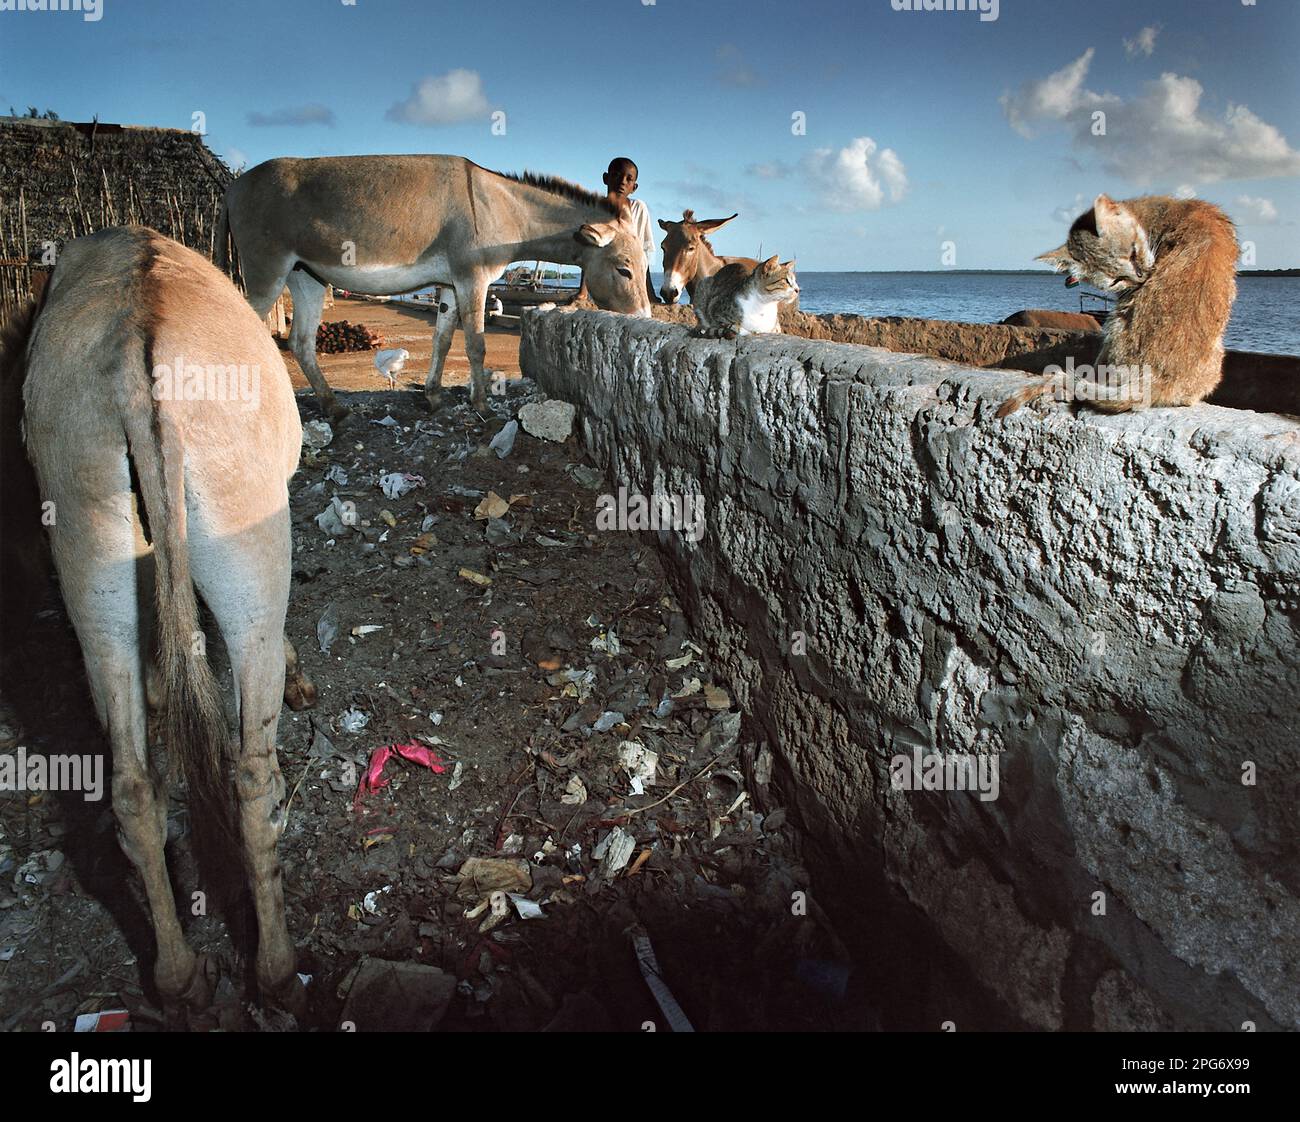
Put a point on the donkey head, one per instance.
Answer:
(684, 245)
(614, 265)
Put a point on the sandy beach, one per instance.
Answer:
(403, 325)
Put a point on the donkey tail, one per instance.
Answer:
(194, 718)
(24, 560)
(221, 240)
(14, 333)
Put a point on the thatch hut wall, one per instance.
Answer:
(60, 180)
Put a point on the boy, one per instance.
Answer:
(620, 183)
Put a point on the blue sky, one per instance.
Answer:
(925, 131)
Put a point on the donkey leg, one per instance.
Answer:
(443, 330)
(308, 303)
(244, 578)
(470, 294)
(97, 550)
(264, 281)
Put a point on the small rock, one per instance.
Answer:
(548, 420)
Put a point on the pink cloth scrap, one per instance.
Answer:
(373, 780)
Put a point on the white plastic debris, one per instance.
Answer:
(457, 775)
(527, 909)
(575, 792)
(317, 434)
(618, 845)
(353, 720)
(398, 483)
(327, 629)
(370, 905)
(645, 958)
(504, 441)
(335, 519)
(640, 763)
(40, 867)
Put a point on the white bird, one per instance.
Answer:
(389, 362)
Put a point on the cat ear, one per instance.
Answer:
(788, 265)
(1115, 222)
(770, 264)
(1058, 258)
(708, 225)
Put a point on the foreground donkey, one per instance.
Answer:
(385, 225)
(122, 308)
(689, 258)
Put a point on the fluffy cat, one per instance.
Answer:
(741, 299)
(1172, 264)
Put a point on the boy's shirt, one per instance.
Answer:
(641, 226)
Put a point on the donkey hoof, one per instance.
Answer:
(434, 400)
(299, 692)
(290, 996)
(196, 994)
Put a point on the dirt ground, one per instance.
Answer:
(541, 692)
(409, 326)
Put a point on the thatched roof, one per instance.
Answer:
(62, 179)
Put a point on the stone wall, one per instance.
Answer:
(1109, 605)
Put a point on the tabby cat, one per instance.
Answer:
(1172, 265)
(741, 299)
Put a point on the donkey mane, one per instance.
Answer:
(555, 185)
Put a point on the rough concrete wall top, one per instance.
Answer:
(1109, 603)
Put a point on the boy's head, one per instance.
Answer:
(620, 179)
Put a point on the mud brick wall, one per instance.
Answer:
(1109, 604)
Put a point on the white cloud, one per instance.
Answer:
(857, 177)
(1184, 191)
(446, 99)
(1143, 43)
(1257, 211)
(1161, 133)
(1068, 213)
(236, 158)
(314, 114)
(773, 169)
(1058, 97)
(734, 68)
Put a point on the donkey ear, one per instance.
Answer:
(708, 225)
(688, 216)
(664, 225)
(594, 235)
